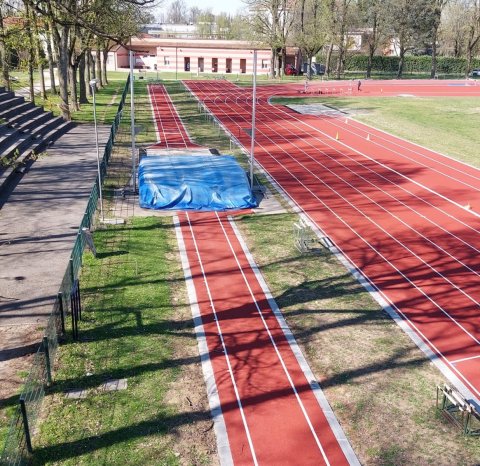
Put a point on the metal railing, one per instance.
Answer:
(18, 444)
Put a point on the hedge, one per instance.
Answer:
(415, 64)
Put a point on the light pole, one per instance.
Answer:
(132, 121)
(93, 85)
(254, 107)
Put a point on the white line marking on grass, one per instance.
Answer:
(220, 428)
(317, 391)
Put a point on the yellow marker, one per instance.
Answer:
(368, 137)
(468, 207)
(346, 121)
(336, 137)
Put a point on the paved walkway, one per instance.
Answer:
(39, 219)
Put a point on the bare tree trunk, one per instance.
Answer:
(433, 72)
(401, 62)
(329, 59)
(53, 87)
(272, 64)
(82, 98)
(88, 71)
(98, 66)
(72, 75)
(61, 43)
(5, 57)
(104, 65)
(31, 53)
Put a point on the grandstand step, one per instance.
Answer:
(11, 103)
(46, 127)
(37, 120)
(18, 109)
(7, 137)
(17, 146)
(6, 96)
(30, 150)
(24, 116)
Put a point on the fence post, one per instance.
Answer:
(26, 429)
(62, 315)
(72, 273)
(46, 350)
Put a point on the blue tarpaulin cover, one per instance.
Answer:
(193, 182)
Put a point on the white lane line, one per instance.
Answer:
(385, 166)
(456, 361)
(314, 385)
(394, 150)
(411, 329)
(155, 122)
(220, 334)
(387, 211)
(277, 351)
(438, 306)
(223, 445)
(395, 313)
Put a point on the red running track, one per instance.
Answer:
(271, 409)
(171, 133)
(393, 208)
(379, 88)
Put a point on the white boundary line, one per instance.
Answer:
(314, 385)
(157, 133)
(223, 445)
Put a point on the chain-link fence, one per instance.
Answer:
(18, 445)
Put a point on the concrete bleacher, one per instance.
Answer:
(25, 131)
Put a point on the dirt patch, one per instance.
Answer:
(18, 344)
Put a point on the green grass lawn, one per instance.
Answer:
(130, 329)
(447, 125)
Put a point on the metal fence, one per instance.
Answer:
(18, 445)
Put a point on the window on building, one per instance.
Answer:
(265, 64)
(166, 60)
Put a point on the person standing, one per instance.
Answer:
(359, 85)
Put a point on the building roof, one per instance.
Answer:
(196, 43)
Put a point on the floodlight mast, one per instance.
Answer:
(93, 85)
(254, 109)
(132, 122)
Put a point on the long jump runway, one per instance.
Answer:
(268, 409)
(407, 218)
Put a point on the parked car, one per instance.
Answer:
(290, 70)
(317, 69)
(475, 73)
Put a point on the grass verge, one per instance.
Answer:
(447, 125)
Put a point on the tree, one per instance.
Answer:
(311, 29)
(452, 31)
(436, 8)
(373, 16)
(272, 23)
(473, 32)
(177, 12)
(411, 24)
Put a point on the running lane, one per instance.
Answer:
(396, 210)
(171, 133)
(271, 409)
